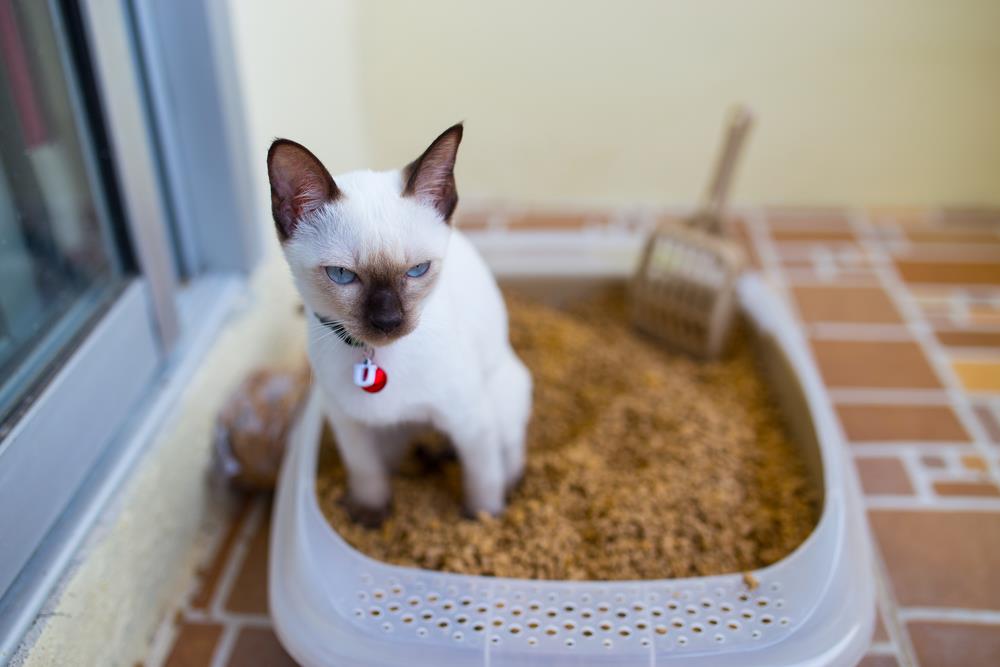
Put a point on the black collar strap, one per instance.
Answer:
(339, 331)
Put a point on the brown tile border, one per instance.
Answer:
(940, 558)
(248, 594)
(194, 645)
(923, 423)
(883, 476)
(970, 489)
(942, 644)
(845, 304)
(210, 574)
(966, 338)
(258, 647)
(874, 364)
(965, 273)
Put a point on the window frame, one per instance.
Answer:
(68, 451)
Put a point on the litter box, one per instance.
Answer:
(332, 605)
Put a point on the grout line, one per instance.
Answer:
(224, 649)
(935, 504)
(863, 395)
(949, 614)
(921, 485)
(882, 648)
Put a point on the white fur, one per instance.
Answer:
(455, 371)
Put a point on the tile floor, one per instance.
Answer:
(902, 308)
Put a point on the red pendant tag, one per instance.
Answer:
(369, 377)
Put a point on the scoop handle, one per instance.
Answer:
(738, 126)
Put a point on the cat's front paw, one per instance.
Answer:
(365, 515)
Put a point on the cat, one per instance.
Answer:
(385, 277)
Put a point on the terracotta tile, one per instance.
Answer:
(973, 462)
(942, 644)
(947, 235)
(941, 558)
(249, 591)
(560, 221)
(874, 364)
(845, 304)
(878, 660)
(811, 234)
(976, 489)
(965, 338)
(931, 461)
(194, 645)
(259, 646)
(883, 476)
(213, 570)
(963, 273)
(880, 634)
(925, 423)
(978, 375)
(983, 314)
(989, 422)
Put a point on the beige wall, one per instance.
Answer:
(859, 102)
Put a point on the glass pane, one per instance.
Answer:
(58, 263)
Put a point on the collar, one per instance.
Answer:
(339, 331)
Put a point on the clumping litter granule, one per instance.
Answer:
(641, 464)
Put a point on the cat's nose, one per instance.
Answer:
(385, 311)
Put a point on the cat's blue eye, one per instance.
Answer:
(418, 270)
(340, 275)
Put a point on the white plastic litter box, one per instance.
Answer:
(335, 606)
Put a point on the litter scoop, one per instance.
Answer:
(684, 290)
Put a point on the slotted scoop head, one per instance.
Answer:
(684, 289)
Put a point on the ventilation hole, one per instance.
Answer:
(644, 641)
(756, 634)
(784, 621)
(570, 625)
(672, 606)
(744, 597)
(767, 620)
(360, 613)
(692, 611)
(500, 604)
(603, 608)
(497, 622)
(458, 636)
(726, 607)
(706, 603)
(551, 631)
(516, 611)
(586, 613)
(638, 606)
(421, 632)
(408, 618)
(466, 601)
(413, 601)
(605, 626)
(661, 629)
(462, 619)
(656, 611)
(778, 604)
(719, 639)
(625, 632)
(375, 611)
(551, 612)
(570, 643)
(433, 597)
(569, 608)
(482, 609)
(443, 623)
(678, 623)
(607, 643)
(379, 594)
(495, 639)
(533, 624)
(397, 590)
(479, 627)
(448, 605)
(733, 625)
(641, 625)
(747, 614)
(514, 629)
(393, 608)
(535, 606)
(622, 613)
(696, 629)
(532, 641)
(682, 640)
(762, 602)
(387, 627)
(587, 632)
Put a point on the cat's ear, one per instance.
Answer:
(300, 184)
(431, 177)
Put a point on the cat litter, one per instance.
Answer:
(332, 604)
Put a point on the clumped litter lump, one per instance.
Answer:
(641, 464)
